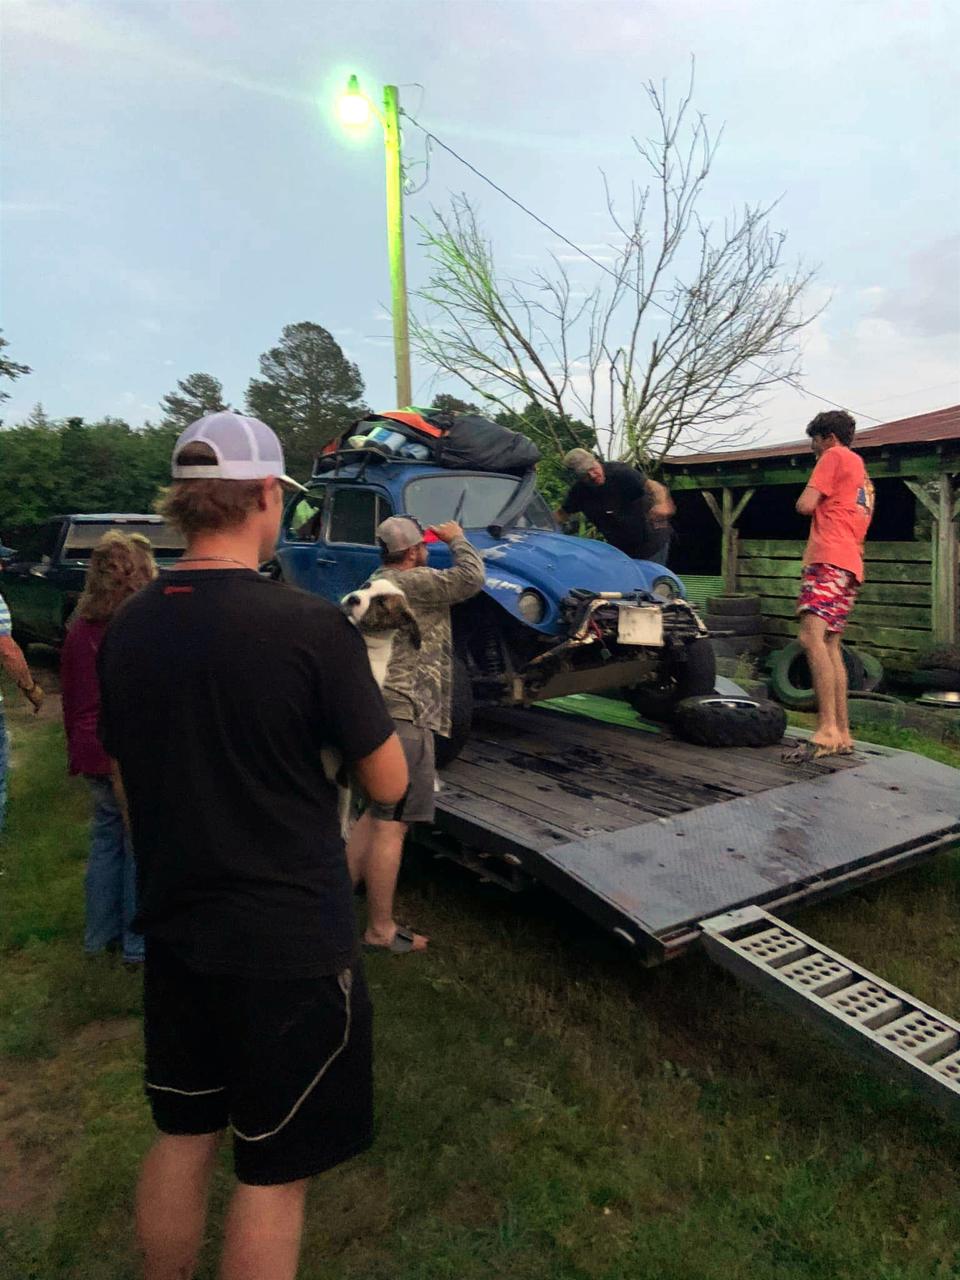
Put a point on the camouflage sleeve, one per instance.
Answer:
(447, 586)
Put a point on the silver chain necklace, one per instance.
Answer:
(219, 559)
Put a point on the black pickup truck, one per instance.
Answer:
(42, 577)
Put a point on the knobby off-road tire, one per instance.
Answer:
(730, 722)
(735, 606)
(695, 674)
(446, 750)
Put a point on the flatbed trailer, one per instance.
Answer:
(671, 846)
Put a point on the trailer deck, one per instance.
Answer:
(670, 845)
(649, 835)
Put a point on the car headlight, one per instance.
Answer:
(666, 589)
(531, 606)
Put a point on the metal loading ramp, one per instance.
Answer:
(867, 1015)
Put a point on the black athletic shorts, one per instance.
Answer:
(285, 1063)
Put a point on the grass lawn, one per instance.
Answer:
(547, 1109)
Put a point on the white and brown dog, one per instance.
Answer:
(380, 610)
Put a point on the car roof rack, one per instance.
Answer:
(325, 462)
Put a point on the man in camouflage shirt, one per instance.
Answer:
(418, 690)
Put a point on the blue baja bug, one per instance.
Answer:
(557, 615)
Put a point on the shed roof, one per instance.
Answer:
(925, 428)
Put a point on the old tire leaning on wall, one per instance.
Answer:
(735, 606)
(446, 750)
(790, 681)
(717, 721)
(873, 671)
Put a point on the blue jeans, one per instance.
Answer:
(111, 879)
(3, 768)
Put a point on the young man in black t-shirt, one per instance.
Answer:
(219, 691)
(630, 510)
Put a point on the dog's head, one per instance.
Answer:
(379, 607)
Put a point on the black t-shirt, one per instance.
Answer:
(219, 689)
(618, 507)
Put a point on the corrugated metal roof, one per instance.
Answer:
(925, 428)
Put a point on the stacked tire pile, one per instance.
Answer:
(937, 669)
(735, 625)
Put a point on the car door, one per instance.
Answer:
(34, 600)
(299, 546)
(349, 554)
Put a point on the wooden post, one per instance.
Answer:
(727, 520)
(946, 627)
(943, 556)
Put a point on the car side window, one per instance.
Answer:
(37, 545)
(304, 518)
(355, 514)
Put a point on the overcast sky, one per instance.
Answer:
(174, 190)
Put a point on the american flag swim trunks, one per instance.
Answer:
(828, 592)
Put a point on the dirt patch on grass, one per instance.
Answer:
(104, 1030)
(40, 1117)
(29, 1168)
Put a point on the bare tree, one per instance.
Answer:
(683, 329)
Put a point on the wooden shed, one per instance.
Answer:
(737, 529)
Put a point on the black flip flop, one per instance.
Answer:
(401, 945)
(806, 753)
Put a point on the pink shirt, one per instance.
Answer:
(842, 516)
(81, 697)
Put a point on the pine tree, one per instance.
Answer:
(196, 395)
(308, 392)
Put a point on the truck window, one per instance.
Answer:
(36, 543)
(83, 536)
(355, 514)
(304, 518)
(477, 499)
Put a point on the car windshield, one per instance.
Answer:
(474, 501)
(83, 536)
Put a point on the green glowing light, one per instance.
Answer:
(353, 107)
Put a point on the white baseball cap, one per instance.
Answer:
(245, 449)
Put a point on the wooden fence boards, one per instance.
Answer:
(892, 616)
(918, 552)
(877, 571)
(870, 593)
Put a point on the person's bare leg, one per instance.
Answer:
(833, 642)
(381, 870)
(812, 636)
(261, 1239)
(358, 848)
(171, 1203)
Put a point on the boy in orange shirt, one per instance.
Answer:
(839, 496)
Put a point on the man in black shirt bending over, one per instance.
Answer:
(219, 690)
(630, 510)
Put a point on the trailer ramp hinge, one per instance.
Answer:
(868, 1015)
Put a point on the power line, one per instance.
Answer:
(432, 137)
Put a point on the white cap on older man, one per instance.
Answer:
(244, 449)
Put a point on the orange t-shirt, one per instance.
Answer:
(842, 516)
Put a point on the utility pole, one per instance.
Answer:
(395, 246)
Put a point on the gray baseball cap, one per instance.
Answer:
(245, 449)
(399, 533)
